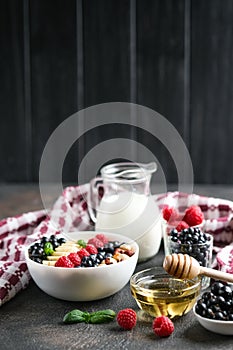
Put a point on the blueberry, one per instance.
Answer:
(92, 257)
(109, 247)
(219, 316)
(44, 240)
(215, 288)
(209, 314)
(226, 292)
(61, 240)
(37, 260)
(100, 256)
(195, 238)
(174, 233)
(117, 244)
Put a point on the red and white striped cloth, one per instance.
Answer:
(70, 213)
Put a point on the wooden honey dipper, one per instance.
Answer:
(184, 266)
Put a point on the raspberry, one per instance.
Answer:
(127, 319)
(193, 215)
(102, 238)
(162, 326)
(170, 213)
(91, 249)
(64, 261)
(74, 258)
(83, 252)
(181, 226)
(95, 242)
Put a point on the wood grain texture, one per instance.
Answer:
(53, 72)
(106, 51)
(160, 69)
(212, 91)
(57, 57)
(13, 165)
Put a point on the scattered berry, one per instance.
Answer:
(75, 259)
(193, 216)
(102, 238)
(95, 242)
(64, 261)
(163, 326)
(170, 213)
(91, 249)
(127, 319)
(83, 252)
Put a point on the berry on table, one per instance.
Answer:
(127, 318)
(64, 261)
(163, 326)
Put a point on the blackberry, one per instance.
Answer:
(216, 304)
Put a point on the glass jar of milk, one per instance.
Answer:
(126, 206)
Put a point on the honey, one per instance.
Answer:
(165, 295)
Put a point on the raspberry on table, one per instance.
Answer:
(102, 237)
(64, 261)
(95, 242)
(170, 213)
(75, 259)
(91, 249)
(83, 252)
(163, 326)
(127, 318)
(193, 215)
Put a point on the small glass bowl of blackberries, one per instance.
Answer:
(214, 310)
(194, 242)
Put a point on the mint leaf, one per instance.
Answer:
(76, 316)
(48, 248)
(102, 316)
(82, 243)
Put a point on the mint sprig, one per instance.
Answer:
(77, 316)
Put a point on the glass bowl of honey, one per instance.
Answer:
(157, 293)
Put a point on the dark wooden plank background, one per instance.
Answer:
(174, 56)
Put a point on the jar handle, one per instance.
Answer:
(94, 197)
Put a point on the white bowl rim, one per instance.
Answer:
(129, 241)
(222, 322)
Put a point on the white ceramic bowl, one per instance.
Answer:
(216, 326)
(84, 284)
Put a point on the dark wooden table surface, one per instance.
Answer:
(33, 320)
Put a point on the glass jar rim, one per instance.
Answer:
(161, 273)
